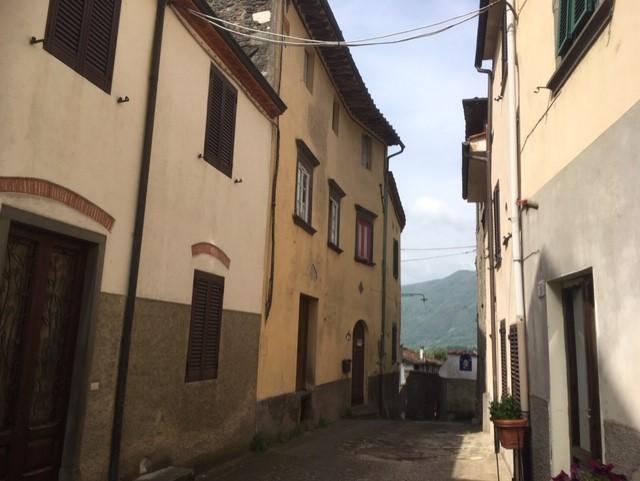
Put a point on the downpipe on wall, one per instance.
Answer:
(385, 220)
(136, 248)
(513, 152)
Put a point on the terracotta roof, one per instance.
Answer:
(460, 352)
(395, 200)
(322, 25)
(413, 357)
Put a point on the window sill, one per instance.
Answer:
(334, 247)
(300, 222)
(364, 261)
(581, 45)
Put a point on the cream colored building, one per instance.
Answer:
(325, 314)
(571, 360)
(125, 105)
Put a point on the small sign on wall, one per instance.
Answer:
(466, 362)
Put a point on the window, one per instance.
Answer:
(204, 333)
(515, 362)
(396, 258)
(335, 118)
(394, 343)
(83, 36)
(364, 235)
(309, 59)
(366, 152)
(572, 17)
(497, 245)
(304, 187)
(335, 195)
(503, 357)
(221, 122)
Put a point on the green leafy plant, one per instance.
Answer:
(322, 422)
(507, 408)
(260, 443)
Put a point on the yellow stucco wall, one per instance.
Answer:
(304, 264)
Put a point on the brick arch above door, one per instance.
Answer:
(212, 250)
(58, 193)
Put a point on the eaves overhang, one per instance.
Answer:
(230, 52)
(489, 24)
(322, 25)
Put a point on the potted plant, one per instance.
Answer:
(507, 419)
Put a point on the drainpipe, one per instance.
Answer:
(134, 266)
(514, 194)
(385, 210)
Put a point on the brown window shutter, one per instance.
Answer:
(515, 362)
(82, 34)
(206, 321)
(102, 31)
(64, 30)
(503, 357)
(221, 122)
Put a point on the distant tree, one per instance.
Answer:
(439, 353)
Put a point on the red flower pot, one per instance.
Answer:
(511, 432)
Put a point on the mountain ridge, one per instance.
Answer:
(447, 318)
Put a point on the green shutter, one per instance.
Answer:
(580, 11)
(564, 37)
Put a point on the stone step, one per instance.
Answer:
(365, 411)
(172, 473)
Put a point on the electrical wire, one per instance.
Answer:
(300, 42)
(439, 257)
(439, 248)
(473, 13)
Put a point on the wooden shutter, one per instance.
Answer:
(515, 362)
(83, 34)
(503, 357)
(206, 321)
(580, 11)
(394, 343)
(102, 31)
(396, 255)
(563, 28)
(221, 122)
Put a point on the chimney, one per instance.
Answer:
(422, 353)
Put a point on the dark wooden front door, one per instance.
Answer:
(582, 370)
(40, 297)
(303, 334)
(357, 374)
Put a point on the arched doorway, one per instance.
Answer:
(357, 373)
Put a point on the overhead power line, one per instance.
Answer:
(439, 248)
(439, 257)
(289, 40)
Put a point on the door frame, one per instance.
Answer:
(83, 351)
(585, 283)
(364, 361)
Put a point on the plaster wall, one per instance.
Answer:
(608, 72)
(57, 126)
(346, 290)
(190, 201)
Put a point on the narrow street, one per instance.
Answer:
(373, 450)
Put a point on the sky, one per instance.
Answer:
(419, 87)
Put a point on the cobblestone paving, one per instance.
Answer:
(373, 450)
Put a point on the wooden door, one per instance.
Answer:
(582, 370)
(40, 297)
(357, 374)
(303, 333)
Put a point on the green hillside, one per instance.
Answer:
(447, 319)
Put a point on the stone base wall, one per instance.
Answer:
(622, 449)
(284, 413)
(194, 424)
(458, 399)
(540, 447)
(393, 404)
